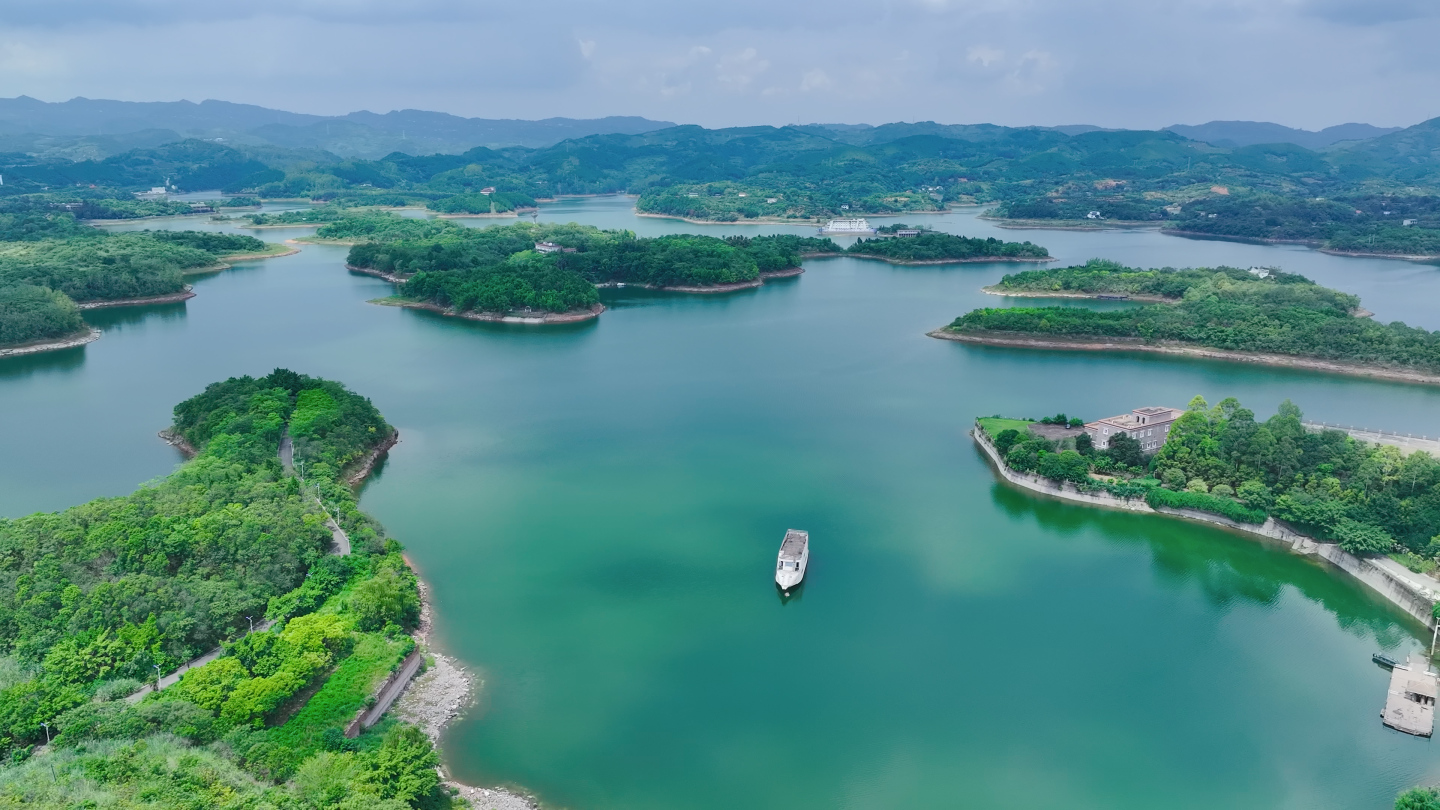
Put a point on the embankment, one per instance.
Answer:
(1406, 590)
(1015, 340)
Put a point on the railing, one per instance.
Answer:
(1386, 434)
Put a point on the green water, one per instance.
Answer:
(598, 509)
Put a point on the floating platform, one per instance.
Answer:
(1410, 702)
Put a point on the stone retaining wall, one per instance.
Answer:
(1383, 575)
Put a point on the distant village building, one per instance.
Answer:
(851, 225)
(908, 232)
(551, 247)
(155, 193)
(488, 190)
(1094, 215)
(1149, 426)
(1407, 222)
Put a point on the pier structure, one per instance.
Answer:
(1410, 702)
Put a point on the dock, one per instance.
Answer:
(1410, 702)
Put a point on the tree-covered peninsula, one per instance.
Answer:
(1371, 499)
(935, 247)
(555, 269)
(1268, 316)
(49, 262)
(99, 597)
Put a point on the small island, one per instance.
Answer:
(1256, 316)
(1317, 489)
(782, 202)
(899, 244)
(544, 273)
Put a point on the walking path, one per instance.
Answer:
(339, 545)
(174, 677)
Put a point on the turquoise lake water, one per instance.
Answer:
(597, 508)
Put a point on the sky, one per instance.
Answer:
(1117, 63)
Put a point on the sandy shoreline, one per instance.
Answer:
(91, 334)
(1331, 366)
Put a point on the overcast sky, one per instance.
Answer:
(1118, 63)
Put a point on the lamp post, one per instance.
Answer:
(252, 623)
(47, 732)
(157, 676)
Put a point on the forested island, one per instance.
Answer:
(99, 597)
(935, 247)
(780, 202)
(546, 271)
(1263, 316)
(1370, 499)
(1377, 196)
(51, 266)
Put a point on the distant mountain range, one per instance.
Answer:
(93, 128)
(1250, 133)
(83, 128)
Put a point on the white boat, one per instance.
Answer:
(794, 555)
(853, 225)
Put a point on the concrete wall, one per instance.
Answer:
(1411, 592)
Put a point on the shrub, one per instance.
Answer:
(388, 596)
(1222, 491)
(1204, 502)
(1197, 485)
(1255, 495)
(1362, 538)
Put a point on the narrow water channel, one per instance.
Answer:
(598, 508)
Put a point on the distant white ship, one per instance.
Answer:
(794, 555)
(853, 225)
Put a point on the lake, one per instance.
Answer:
(598, 507)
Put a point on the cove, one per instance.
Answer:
(597, 508)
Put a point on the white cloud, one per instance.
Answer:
(814, 79)
(1109, 62)
(735, 71)
(984, 55)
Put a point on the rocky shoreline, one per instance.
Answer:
(170, 298)
(372, 458)
(1149, 299)
(51, 345)
(789, 272)
(546, 319)
(1122, 345)
(976, 260)
(440, 695)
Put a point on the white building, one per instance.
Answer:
(854, 225)
(1149, 426)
